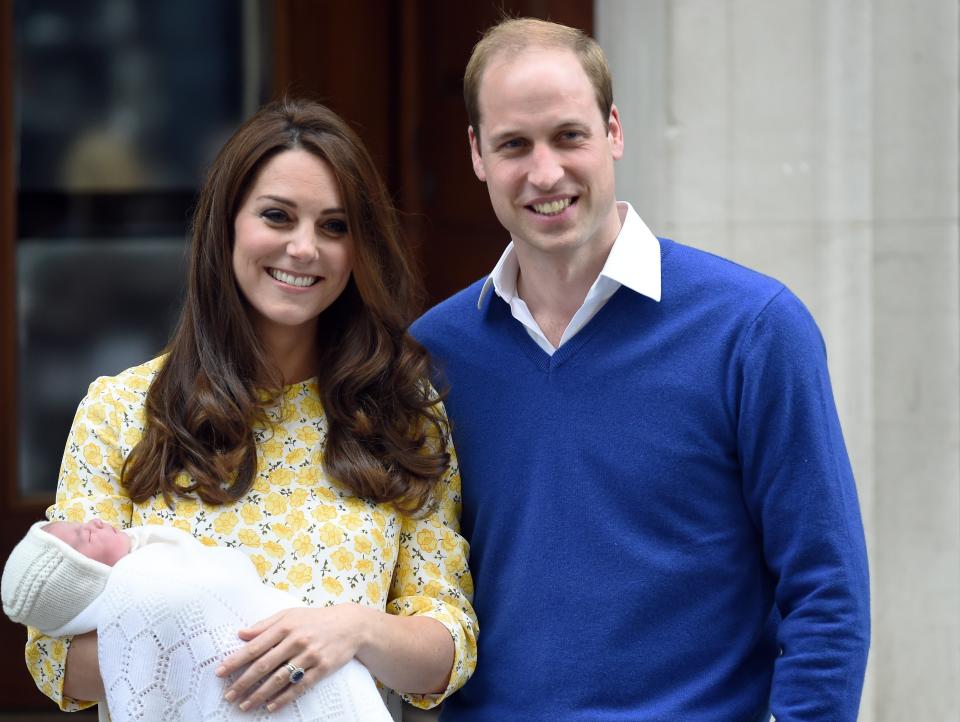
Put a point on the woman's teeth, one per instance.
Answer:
(291, 280)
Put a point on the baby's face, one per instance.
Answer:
(94, 539)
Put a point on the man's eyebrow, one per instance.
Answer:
(508, 133)
(578, 124)
(500, 136)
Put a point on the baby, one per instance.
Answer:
(166, 609)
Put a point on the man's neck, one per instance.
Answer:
(554, 285)
(553, 292)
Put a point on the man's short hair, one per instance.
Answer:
(515, 35)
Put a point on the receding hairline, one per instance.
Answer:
(512, 37)
(507, 56)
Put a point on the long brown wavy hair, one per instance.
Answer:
(386, 437)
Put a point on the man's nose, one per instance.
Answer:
(545, 168)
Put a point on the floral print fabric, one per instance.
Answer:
(305, 533)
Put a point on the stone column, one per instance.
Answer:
(816, 140)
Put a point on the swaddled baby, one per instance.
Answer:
(167, 610)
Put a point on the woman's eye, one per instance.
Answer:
(337, 227)
(275, 216)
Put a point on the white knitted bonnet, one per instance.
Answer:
(46, 582)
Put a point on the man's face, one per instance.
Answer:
(546, 153)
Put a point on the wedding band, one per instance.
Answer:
(296, 673)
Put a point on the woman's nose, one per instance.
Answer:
(303, 245)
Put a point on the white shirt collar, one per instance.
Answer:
(634, 262)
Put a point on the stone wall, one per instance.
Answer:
(817, 141)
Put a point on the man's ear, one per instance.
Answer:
(475, 155)
(615, 133)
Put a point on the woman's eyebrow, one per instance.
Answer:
(293, 204)
(278, 199)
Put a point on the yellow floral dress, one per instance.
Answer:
(305, 533)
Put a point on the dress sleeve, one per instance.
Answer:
(432, 579)
(88, 486)
(800, 490)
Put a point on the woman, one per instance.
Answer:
(290, 417)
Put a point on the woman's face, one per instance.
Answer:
(292, 252)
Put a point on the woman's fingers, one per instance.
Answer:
(292, 691)
(259, 669)
(260, 637)
(317, 641)
(251, 632)
(279, 682)
(280, 688)
(260, 657)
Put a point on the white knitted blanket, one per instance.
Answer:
(168, 617)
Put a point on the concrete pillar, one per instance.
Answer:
(816, 140)
(915, 263)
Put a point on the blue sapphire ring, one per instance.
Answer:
(296, 673)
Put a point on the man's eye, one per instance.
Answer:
(512, 144)
(274, 216)
(571, 135)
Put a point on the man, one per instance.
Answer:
(662, 516)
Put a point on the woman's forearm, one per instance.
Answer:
(408, 654)
(81, 679)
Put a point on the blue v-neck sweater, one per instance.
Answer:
(662, 517)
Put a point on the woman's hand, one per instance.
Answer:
(319, 640)
(81, 678)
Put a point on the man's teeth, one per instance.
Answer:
(553, 207)
(292, 280)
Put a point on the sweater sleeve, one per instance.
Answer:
(88, 486)
(801, 493)
(431, 579)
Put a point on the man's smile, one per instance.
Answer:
(552, 208)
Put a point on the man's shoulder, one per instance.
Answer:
(744, 296)
(449, 314)
(687, 267)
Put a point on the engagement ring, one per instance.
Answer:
(296, 673)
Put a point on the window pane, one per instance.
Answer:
(117, 95)
(86, 309)
(120, 106)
